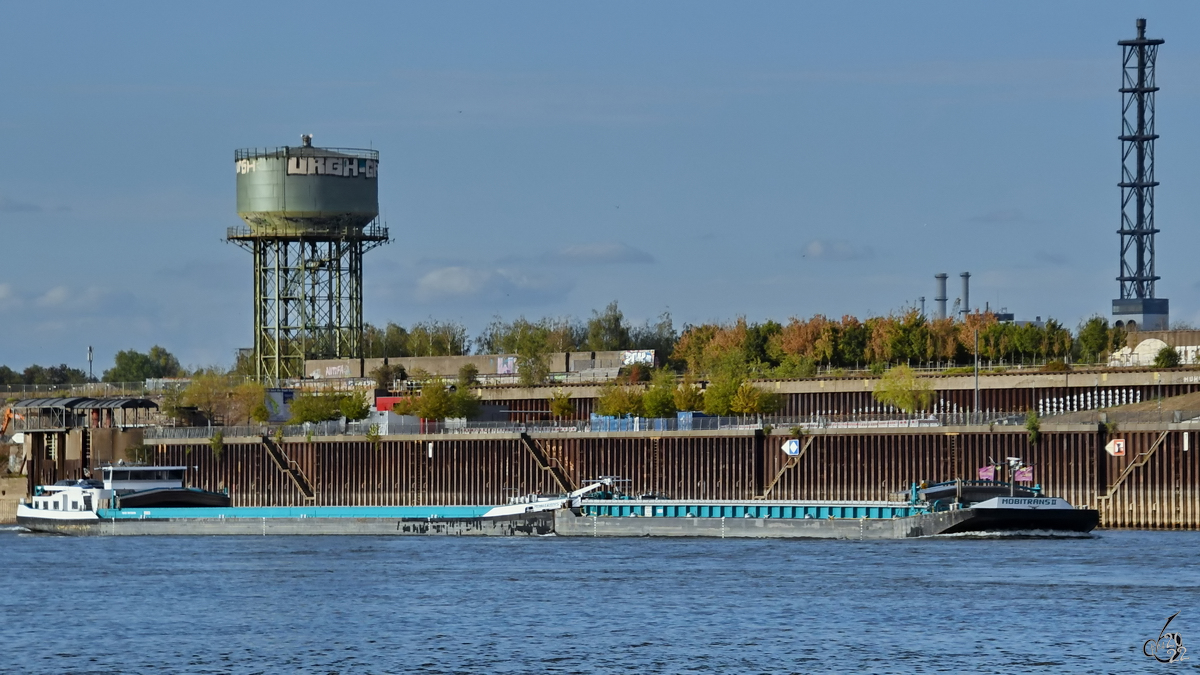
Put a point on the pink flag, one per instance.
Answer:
(987, 472)
(1024, 475)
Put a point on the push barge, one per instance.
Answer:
(113, 508)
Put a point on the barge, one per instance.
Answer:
(104, 508)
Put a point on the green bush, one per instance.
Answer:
(561, 405)
(718, 396)
(321, 407)
(659, 399)
(1166, 357)
(616, 399)
(1056, 366)
(468, 375)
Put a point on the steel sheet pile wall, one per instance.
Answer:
(1163, 492)
(883, 466)
(243, 468)
(694, 467)
(1159, 489)
(356, 473)
(455, 472)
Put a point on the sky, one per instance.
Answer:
(713, 160)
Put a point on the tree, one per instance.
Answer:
(438, 338)
(751, 400)
(616, 399)
(134, 366)
(386, 375)
(659, 399)
(1167, 357)
(313, 407)
(1092, 343)
(901, 388)
(209, 392)
(468, 375)
(55, 375)
(718, 396)
(659, 336)
(608, 331)
(353, 406)
(561, 405)
(438, 402)
(390, 341)
(688, 396)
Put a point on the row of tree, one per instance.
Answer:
(799, 347)
(664, 396)
(604, 331)
(769, 349)
(128, 366)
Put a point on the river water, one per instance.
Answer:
(558, 605)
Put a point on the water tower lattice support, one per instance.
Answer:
(1137, 165)
(307, 300)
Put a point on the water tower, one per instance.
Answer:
(310, 215)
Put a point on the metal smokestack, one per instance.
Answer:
(966, 304)
(940, 299)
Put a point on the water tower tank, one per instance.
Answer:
(307, 190)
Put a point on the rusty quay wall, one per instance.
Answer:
(1154, 485)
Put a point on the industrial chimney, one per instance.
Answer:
(966, 294)
(940, 299)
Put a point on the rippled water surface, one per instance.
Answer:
(557, 605)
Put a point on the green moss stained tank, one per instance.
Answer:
(298, 191)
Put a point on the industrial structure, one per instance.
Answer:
(310, 215)
(962, 305)
(940, 299)
(1137, 307)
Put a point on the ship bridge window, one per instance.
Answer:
(176, 474)
(120, 475)
(74, 506)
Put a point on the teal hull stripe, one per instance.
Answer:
(298, 512)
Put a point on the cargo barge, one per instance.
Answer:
(598, 510)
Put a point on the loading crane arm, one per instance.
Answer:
(6, 422)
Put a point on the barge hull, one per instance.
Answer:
(567, 524)
(534, 524)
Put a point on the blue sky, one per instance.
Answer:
(710, 159)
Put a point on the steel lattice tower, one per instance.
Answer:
(1137, 303)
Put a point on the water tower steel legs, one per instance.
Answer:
(308, 303)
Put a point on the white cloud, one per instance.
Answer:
(54, 297)
(494, 285)
(837, 249)
(451, 282)
(601, 253)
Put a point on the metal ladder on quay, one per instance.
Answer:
(289, 467)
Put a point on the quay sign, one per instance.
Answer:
(351, 167)
(1116, 447)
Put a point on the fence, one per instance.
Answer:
(90, 389)
(599, 424)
